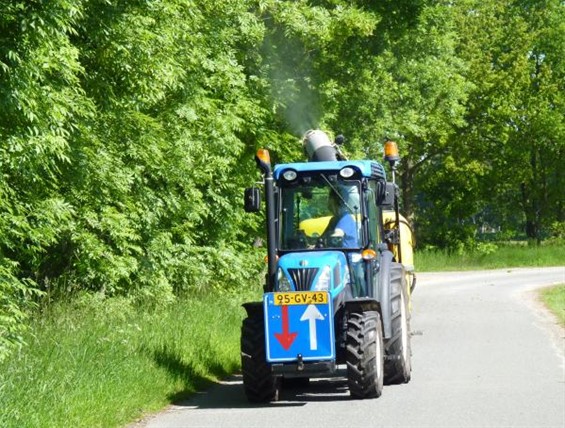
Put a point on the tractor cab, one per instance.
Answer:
(316, 213)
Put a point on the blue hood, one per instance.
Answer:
(305, 270)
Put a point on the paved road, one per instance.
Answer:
(485, 354)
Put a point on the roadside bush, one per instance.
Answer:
(15, 304)
(557, 233)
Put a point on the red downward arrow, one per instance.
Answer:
(285, 338)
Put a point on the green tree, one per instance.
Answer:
(515, 123)
(42, 105)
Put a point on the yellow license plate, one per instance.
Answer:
(301, 298)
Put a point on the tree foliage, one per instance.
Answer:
(128, 128)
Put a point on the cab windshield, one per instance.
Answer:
(320, 214)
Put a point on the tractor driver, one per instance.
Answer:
(342, 223)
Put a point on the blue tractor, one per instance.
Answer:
(339, 279)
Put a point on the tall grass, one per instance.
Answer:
(491, 256)
(102, 363)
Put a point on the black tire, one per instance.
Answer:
(365, 355)
(398, 362)
(259, 383)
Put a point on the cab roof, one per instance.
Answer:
(367, 168)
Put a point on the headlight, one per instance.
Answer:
(347, 172)
(324, 280)
(290, 175)
(282, 281)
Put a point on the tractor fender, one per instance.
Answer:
(253, 308)
(362, 304)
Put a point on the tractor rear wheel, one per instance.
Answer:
(365, 354)
(259, 383)
(398, 362)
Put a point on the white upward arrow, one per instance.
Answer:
(311, 314)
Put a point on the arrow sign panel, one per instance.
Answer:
(311, 314)
(299, 323)
(285, 338)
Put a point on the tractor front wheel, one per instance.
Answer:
(365, 354)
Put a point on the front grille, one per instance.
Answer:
(377, 171)
(303, 277)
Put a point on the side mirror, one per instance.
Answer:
(386, 194)
(252, 200)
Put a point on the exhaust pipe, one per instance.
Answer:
(318, 147)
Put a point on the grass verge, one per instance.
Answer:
(491, 257)
(102, 363)
(554, 299)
